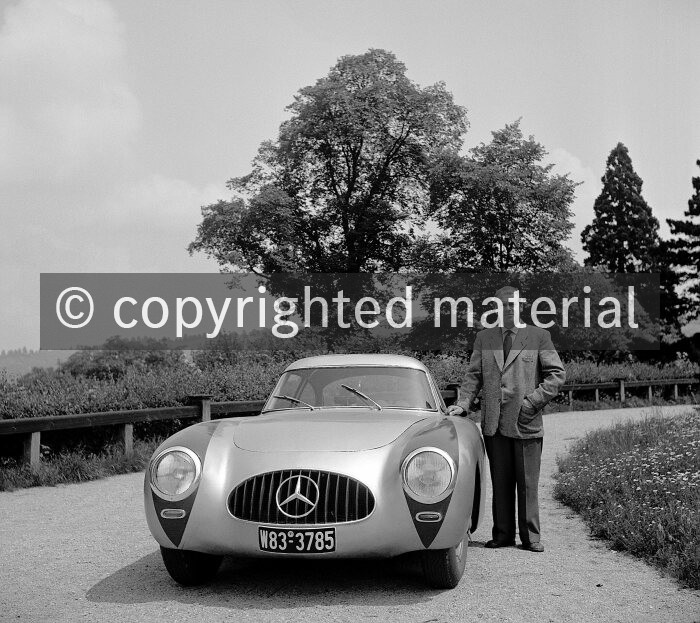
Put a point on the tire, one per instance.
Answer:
(190, 568)
(443, 568)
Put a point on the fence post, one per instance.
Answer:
(204, 403)
(675, 391)
(32, 449)
(128, 436)
(571, 397)
(597, 395)
(622, 389)
(650, 393)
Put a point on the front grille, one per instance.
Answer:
(340, 498)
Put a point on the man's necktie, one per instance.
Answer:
(507, 344)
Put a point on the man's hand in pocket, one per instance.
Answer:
(527, 412)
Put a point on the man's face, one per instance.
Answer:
(509, 309)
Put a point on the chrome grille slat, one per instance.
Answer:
(357, 501)
(316, 477)
(340, 498)
(244, 497)
(327, 495)
(337, 490)
(262, 495)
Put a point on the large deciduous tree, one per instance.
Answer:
(623, 237)
(683, 251)
(346, 183)
(502, 209)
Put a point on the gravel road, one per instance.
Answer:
(83, 553)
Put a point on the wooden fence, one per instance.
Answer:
(621, 385)
(203, 408)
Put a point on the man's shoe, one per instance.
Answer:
(533, 547)
(493, 544)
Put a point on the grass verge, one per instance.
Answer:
(638, 485)
(76, 466)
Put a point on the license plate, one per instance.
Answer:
(296, 541)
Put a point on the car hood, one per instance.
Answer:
(324, 430)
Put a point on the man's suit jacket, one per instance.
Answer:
(514, 391)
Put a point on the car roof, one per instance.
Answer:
(370, 359)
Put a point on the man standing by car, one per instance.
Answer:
(519, 372)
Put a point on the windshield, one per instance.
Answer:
(369, 387)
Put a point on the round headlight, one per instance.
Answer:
(428, 474)
(174, 472)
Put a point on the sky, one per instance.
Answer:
(119, 120)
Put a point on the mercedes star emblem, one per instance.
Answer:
(306, 502)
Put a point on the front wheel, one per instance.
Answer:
(443, 568)
(190, 568)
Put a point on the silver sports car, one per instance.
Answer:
(352, 456)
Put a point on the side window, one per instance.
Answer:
(433, 389)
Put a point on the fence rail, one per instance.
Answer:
(621, 385)
(204, 409)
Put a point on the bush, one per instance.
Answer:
(591, 372)
(161, 380)
(76, 466)
(638, 485)
(58, 393)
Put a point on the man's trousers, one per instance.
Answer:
(515, 466)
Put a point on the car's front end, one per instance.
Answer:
(233, 493)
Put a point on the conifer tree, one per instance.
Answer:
(623, 236)
(683, 250)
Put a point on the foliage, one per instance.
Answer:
(684, 250)
(244, 376)
(58, 393)
(501, 208)
(674, 307)
(623, 236)
(118, 357)
(638, 485)
(591, 372)
(76, 466)
(346, 181)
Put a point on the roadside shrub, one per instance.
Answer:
(76, 465)
(591, 372)
(638, 485)
(245, 375)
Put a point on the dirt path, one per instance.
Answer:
(83, 553)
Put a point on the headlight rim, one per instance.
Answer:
(195, 481)
(422, 498)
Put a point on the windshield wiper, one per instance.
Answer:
(296, 400)
(361, 395)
